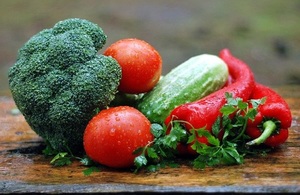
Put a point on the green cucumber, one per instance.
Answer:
(193, 79)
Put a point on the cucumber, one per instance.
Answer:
(193, 79)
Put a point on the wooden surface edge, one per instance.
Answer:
(17, 187)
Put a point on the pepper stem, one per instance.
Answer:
(269, 127)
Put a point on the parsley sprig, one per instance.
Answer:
(66, 158)
(226, 142)
(60, 158)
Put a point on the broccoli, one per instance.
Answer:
(59, 82)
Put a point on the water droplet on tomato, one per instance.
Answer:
(112, 132)
(139, 132)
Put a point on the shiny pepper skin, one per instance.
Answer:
(274, 112)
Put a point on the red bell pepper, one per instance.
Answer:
(204, 112)
(274, 117)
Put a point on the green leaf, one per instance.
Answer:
(232, 156)
(49, 151)
(90, 170)
(172, 164)
(176, 135)
(227, 109)
(216, 127)
(225, 158)
(251, 113)
(157, 130)
(152, 153)
(211, 139)
(58, 156)
(239, 121)
(61, 159)
(232, 101)
(242, 105)
(87, 161)
(171, 140)
(229, 97)
(161, 150)
(227, 127)
(192, 137)
(199, 147)
(179, 131)
(200, 162)
(139, 161)
(138, 151)
(237, 156)
(153, 168)
(256, 102)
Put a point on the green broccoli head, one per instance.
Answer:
(59, 81)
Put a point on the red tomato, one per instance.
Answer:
(141, 64)
(112, 136)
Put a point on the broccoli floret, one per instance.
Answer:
(59, 81)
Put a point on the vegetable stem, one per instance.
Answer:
(242, 132)
(269, 127)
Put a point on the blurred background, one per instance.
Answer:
(265, 34)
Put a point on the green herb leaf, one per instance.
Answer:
(49, 151)
(216, 127)
(211, 139)
(256, 102)
(61, 159)
(90, 170)
(236, 156)
(157, 130)
(86, 161)
(152, 153)
(140, 161)
(252, 113)
(242, 105)
(153, 168)
(228, 109)
(139, 151)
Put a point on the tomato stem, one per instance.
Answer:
(269, 127)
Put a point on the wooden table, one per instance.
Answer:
(24, 169)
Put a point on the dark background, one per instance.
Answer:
(265, 33)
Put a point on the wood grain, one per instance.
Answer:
(24, 169)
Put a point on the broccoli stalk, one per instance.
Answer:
(59, 81)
